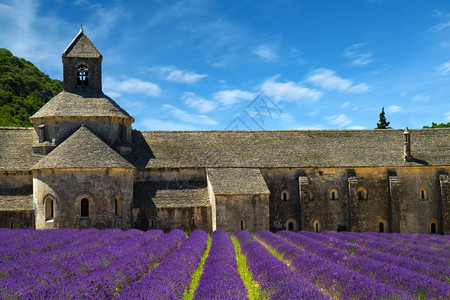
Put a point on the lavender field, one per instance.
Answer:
(107, 264)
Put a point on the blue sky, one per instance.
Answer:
(213, 65)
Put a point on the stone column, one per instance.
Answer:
(444, 226)
(305, 212)
(353, 207)
(397, 206)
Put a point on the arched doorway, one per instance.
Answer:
(341, 228)
(291, 224)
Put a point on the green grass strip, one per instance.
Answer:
(189, 293)
(253, 288)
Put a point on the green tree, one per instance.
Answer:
(383, 123)
(435, 125)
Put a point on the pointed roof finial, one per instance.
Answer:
(81, 25)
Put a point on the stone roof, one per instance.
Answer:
(92, 104)
(83, 149)
(81, 46)
(150, 195)
(237, 181)
(16, 199)
(289, 149)
(15, 149)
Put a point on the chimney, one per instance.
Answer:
(407, 145)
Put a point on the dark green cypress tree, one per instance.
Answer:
(383, 123)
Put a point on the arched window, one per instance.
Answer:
(84, 207)
(381, 227)
(284, 195)
(334, 194)
(362, 193)
(311, 195)
(11, 224)
(82, 75)
(433, 227)
(316, 226)
(152, 224)
(423, 194)
(118, 207)
(291, 224)
(49, 208)
(242, 224)
(193, 222)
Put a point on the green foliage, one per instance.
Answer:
(435, 125)
(189, 292)
(383, 122)
(23, 89)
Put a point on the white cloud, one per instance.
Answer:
(393, 109)
(421, 98)
(132, 86)
(265, 52)
(154, 124)
(340, 120)
(187, 117)
(172, 73)
(441, 26)
(328, 80)
(194, 101)
(289, 91)
(230, 97)
(358, 57)
(345, 104)
(444, 69)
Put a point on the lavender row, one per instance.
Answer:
(415, 284)
(329, 276)
(440, 272)
(220, 278)
(54, 273)
(276, 279)
(400, 244)
(104, 283)
(170, 278)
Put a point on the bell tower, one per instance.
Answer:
(82, 66)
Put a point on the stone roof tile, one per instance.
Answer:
(83, 149)
(237, 181)
(16, 199)
(16, 153)
(81, 46)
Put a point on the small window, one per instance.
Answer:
(291, 226)
(284, 195)
(423, 194)
(11, 224)
(381, 227)
(362, 193)
(433, 227)
(118, 207)
(311, 195)
(242, 224)
(193, 222)
(334, 194)
(82, 76)
(49, 209)
(84, 207)
(316, 226)
(152, 224)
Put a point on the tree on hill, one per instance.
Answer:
(435, 125)
(23, 89)
(383, 123)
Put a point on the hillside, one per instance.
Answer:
(23, 89)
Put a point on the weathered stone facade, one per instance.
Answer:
(82, 166)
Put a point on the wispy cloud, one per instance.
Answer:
(444, 69)
(441, 26)
(289, 91)
(172, 73)
(339, 120)
(393, 109)
(198, 103)
(447, 116)
(187, 117)
(265, 52)
(421, 98)
(132, 86)
(231, 97)
(155, 124)
(328, 80)
(358, 57)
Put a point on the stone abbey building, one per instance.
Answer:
(81, 165)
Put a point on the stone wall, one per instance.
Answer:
(17, 219)
(68, 187)
(166, 219)
(252, 210)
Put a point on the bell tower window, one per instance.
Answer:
(82, 76)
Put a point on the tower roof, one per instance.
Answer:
(67, 104)
(81, 46)
(83, 149)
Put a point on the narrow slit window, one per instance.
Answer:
(242, 223)
(84, 207)
(381, 227)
